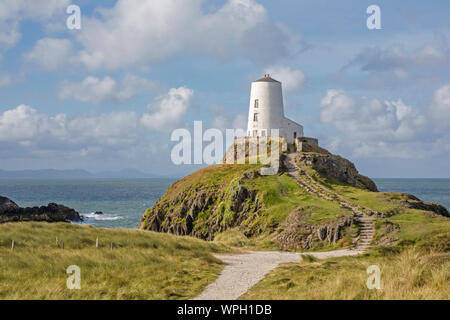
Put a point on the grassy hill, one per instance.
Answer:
(142, 265)
(235, 205)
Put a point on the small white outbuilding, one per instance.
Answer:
(266, 111)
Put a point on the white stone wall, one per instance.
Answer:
(291, 130)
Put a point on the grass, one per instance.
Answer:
(387, 202)
(409, 274)
(422, 229)
(279, 195)
(416, 266)
(282, 195)
(142, 265)
(213, 177)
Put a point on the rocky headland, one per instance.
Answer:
(317, 200)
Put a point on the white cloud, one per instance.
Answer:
(28, 133)
(440, 108)
(13, 12)
(25, 130)
(96, 90)
(108, 129)
(136, 32)
(292, 79)
(167, 111)
(223, 120)
(50, 53)
(377, 128)
(397, 57)
(24, 124)
(398, 64)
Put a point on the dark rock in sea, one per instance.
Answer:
(415, 203)
(11, 212)
(98, 212)
(6, 203)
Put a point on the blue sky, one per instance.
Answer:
(107, 96)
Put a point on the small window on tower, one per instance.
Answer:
(255, 117)
(256, 103)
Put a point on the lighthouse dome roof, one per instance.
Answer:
(267, 78)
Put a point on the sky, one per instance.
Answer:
(108, 96)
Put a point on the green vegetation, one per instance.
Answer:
(409, 274)
(142, 264)
(211, 193)
(282, 195)
(209, 204)
(422, 229)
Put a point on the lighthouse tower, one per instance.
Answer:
(266, 111)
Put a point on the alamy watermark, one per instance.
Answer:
(374, 20)
(74, 280)
(73, 22)
(190, 150)
(374, 279)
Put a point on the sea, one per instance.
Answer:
(123, 201)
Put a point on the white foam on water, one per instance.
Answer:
(100, 217)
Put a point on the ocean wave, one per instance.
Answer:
(100, 217)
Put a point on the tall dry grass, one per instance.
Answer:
(142, 265)
(410, 274)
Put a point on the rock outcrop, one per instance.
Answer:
(180, 216)
(296, 233)
(415, 203)
(336, 167)
(6, 204)
(11, 212)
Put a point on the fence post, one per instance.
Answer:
(62, 243)
(96, 242)
(12, 245)
(112, 245)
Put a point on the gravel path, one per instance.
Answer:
(242, 271)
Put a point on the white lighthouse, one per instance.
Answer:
(266, 111)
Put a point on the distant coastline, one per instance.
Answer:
(79, 174)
